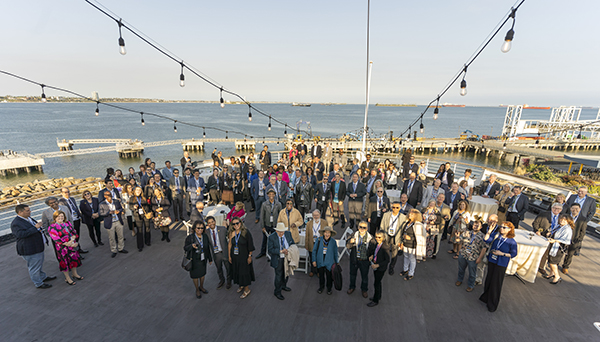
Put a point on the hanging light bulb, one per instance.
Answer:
(43, 94)
(121, 40)
(249, 113)
(436, 111)
(222, 101)
(245, 138)
(143, 123)
(203, 132)
(504, 146)
(463, 88)
(182, 77)
(97, 109)
(269, 123)
(422, 127)
(277, 142)
(285, 131)
(510, 34)
(226, 137)
(175, 127)
(409, 129)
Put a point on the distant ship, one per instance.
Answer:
(452, 105)
(296, 104)
(396, 105)
(525, 106)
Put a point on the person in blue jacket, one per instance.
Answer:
(503, 248)
(324, 255)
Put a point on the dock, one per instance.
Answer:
(17, 162)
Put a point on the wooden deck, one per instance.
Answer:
(148, 297)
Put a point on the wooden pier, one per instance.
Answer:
(17, 162)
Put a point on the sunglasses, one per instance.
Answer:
(379, 191)
(236, 223)
(199, 228)
(362, 227)
(395, 207)
(504, 227)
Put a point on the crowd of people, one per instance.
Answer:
(303, 181)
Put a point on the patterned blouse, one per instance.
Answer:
(472, 245)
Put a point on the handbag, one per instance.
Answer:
(336, 272)
(186, 263)
(162, 221)
(501, 209)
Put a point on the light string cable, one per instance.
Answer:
(145, 38)
(463, 70)
(142, 113)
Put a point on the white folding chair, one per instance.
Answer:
(341, 243)
(188, 225)
(268, 255)
(303, 259)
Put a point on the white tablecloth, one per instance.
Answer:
(393, 195)
(483, 207)
(219, 212)
(529, 255)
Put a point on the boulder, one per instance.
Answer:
(15, 193)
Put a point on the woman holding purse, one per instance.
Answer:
(379, 258)
(459, 223)
(160, 206)
(559, 238)
(197, 248)
(63, 235)
(142, 214)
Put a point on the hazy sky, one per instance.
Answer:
(307, 51)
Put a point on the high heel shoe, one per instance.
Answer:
(548, 276)
(556, 282)
(71, 283)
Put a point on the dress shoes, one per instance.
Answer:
(124, 251)
(350, 291)
(365, 294)
(95, 244)
(458, 283)
(101, 243)
(279, 296)
(320, 290)
(256, 221)
(329, 292)
(113, 255)
(391, 271)
(469, 289)
(228, 286)
(372, 304)
(220, 285)
(49, 278)
(83, 251)
(44, 286)
(286, 289)
(311, 274)
(565, 270)
(139, 249)
(260, 255)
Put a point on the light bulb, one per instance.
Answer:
(422, 127)
(249, 115)
(463, 88)
(175, 127)
(143, 123)
(508, 41)
(204, 134)
(222, 102)
(122, 46)
(97, 111)
(44, 97)
(182, 80)
(436, 111)
(226, 137)
(504, 146)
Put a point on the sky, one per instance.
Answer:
(307, 51)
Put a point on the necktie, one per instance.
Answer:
(554, 217)
(410, 185)
(282, 245)
(177, 183)
(215, 238)
(380, 203)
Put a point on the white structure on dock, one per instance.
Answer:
(17, 162)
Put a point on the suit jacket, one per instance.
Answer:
(309, 240)
(86, 211)
(222, 237)
(543, 222)
(431, 194)
(274, 246)
(63, 201)
(496, 187)
(360, 192)
(267, 160)
(588, 209)
(319, 169)
(373, 205)
(212, 183)
(459, 196)
(173, 186)
(47, 216)
(283, 191)
(117, 195)
(370, 165)
(445, 212)
(341, 191)
(265, 213)
(320, 193)
(244, 169)
(294, 218)
(449, 177)
(316, 151)
(522, 205)
(278, 195)
(104, 211)
(385, 223)
(191, 189)
(304, 191)
(578, 231)
(416, 195)
(29, 238)
(255, 189)
(407, 169)
(196, 216)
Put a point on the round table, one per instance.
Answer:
(530, 249)
(219, 212)
(483, 207)
(393, 195)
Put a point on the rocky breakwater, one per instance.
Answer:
(42, 188)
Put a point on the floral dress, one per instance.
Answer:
(68, 257)
(459, 224)
(432, 220)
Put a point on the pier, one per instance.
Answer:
(17, 162)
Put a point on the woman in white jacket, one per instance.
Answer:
(413, 243)
(558, 238)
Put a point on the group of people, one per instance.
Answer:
(312, 181)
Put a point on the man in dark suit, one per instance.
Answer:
(587, 204)
(185, 161)
(69, 202)
(319, 168)
(316, 151)
(453, 197)
(335, 171)
(267, 159)
(447, 177)
(258, 192)
(197, 214)
(302, 147)
(338, 194)
(322, 195)
(30, 245)
(278, 244)
(368, 164)
(178, 192)
(547, 220)
(218, 239)
(577, 238)
(355, 191)
(269, 214)
(517, 205)
(413, 189)
(410, 168)
(111, 212)
(490, 188)
(215, 187)
(379, 204)
(244, 168)
(110, 187)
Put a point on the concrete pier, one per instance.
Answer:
(17, 162)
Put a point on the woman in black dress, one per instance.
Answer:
(379, 258)
(197, 247)
(140, 208)
(238, 188)
(240, 249)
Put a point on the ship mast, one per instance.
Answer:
(369, 68)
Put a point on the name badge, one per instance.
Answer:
(302, 197)
(324, 250)
(494, 257)
(261, 193)
(202, 257)
(323, 198)
(141, 211)
(271, 219)
(236, 250)
(216, 249)
(281, 255)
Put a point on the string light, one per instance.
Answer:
(226, 137)
(421, 126)
(203, 132)
(182, 77)
(222, 101)
(436, 111)
(175, 127)
(269, 123)
(510, 34)
(409, 129)
(97, 108)
(504, 146)
(463, 84)
(249, 113)
(121, 40)
(43, 94)
(285, 131)
(142, 114)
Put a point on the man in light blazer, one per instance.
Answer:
(111, 212)
(218, 247)
(47, 214)
(278, 244)
(195, 188)
(391, 224)
(178, 192)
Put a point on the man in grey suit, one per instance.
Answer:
(282, 188)
(218, 239)
(47, 218)
(196, 214)
(391, 224)
(178, 191)
(269, 213)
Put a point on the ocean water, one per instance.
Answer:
(35, 128)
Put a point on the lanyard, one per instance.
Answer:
(376, 252)
(139, 200)
(473, 236)
(91, 204)
(452, 198)
(502, 241)
(237, 238)
(200, 241)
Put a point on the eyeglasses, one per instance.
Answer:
(395, 207)
(199, 228)
(504, 227)
(362, 227)
(236, 223)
